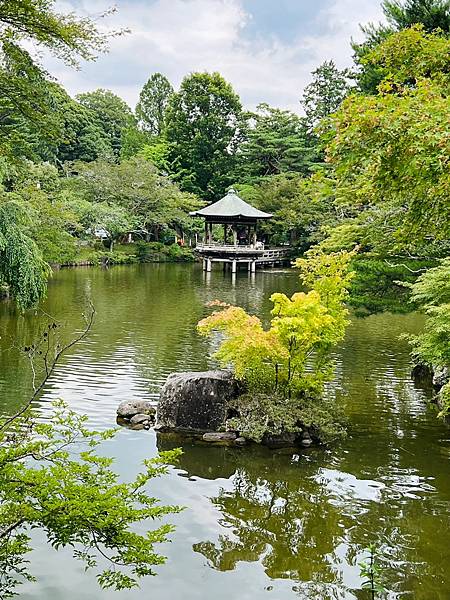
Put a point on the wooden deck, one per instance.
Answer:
(235, 255)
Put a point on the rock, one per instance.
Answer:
(306, 440)
(219, 436)
(192, 402)
(422, 374)
(240, 441)
(280, 440)
(128, 409)
(441, 376)
(140, 418)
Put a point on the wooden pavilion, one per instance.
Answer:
(240, 243)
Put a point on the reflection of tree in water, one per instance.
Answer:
(281, 520)
(309, 518)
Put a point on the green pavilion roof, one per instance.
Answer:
(231, 206)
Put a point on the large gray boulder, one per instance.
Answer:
(196, 401)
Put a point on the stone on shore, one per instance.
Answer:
(196, 401)
(219, 436)
(140, 418)
(128, 409)
(441, 376)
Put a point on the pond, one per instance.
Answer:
(257, 523)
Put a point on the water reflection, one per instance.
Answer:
(257, 522)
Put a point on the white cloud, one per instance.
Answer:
(176, 37)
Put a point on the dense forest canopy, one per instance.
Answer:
(364, 162)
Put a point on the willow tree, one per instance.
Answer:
(22, 267)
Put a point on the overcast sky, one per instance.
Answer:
(265, 48)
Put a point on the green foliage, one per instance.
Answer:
(431, 293)
(22, 267)
(26, 102)
(379, 284)
(444, 402)
(372, 572)
(433, 15)
(276, 142)
(132, 195)
(391, 151)
(290, 360)
(133, 142)
(82, 136)
(158, 252)
(204, 127)
(325, 93)
(78, 502)
(157, 152)
(112, 114)
(153, 102)
(301, 207)
(261, 415)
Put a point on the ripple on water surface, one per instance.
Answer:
(257, 523)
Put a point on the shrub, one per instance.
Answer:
(285, 367)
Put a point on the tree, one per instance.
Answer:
(80, 136)
(390, 152)
(276, 142)
(431, 292)
(26, 106)
(133, 141)
(204, 128)
(433, 15)
(325, 93)
(78, 502)
(22, 267)
(153, 102)
(301, 206)
(112, 114)
(284, 368)
(134, 187)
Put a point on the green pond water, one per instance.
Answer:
(258, 523)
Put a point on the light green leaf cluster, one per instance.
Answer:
(432, 293)
(293, 355)
(78, 502)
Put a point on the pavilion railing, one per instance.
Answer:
(234, 247)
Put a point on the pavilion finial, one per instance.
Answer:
(232, 191)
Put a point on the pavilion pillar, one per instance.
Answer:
(234, 235)
(253, 265)
(234, 267)
(206, 232)
(254, 237)
(209, 233)
(225, 234)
